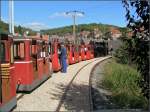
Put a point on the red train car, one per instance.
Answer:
(82, 52)
(7, 74)
(29, 63)
(55, 59)
(76, 53)
(92, 51)
(70, 50)
(88, 51)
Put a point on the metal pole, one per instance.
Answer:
(74, 26)
(0, 10)
(11, 17)
(74, 14)
(13, 32)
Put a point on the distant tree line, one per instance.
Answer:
(104, 28)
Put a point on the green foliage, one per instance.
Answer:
(122, 80)
(4, 27)
(138, 49)
(122, 55)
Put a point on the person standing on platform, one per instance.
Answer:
(63, 59)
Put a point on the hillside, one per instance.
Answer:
(5, 28)
(82, 27)
(104, 28)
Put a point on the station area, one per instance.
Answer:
(74, 56)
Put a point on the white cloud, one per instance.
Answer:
(57, 14)
(62, 14)
(37, 26)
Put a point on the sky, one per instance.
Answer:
(51, 14)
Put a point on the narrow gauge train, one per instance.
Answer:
(27, 62)
(31, 61)
(7, 74)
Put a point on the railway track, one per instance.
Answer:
(71, 82)
(91, 83)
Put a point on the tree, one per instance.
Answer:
(138, 49)
(20, 30)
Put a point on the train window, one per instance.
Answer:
(30, 49)
(34, 50)
(52, 49)
(76, 48)
(2, 52)
(19, 50)
(39, 50)
(44, 51)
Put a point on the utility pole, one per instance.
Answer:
(74, 14)
(11, 17)
(0, 10)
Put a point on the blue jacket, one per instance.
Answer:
(63, 53)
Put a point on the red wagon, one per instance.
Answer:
(76, 53)
(55, 49)
(7, 74)
(82, 52)
(29, 63)
(88, 51)
(92, 51)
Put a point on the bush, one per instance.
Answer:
(122, 54)
(123, 80)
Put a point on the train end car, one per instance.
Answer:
(7, 74)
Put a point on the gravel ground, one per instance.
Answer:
(47, 96)
(77, 97)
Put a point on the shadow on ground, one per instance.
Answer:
(75, 98)
(101, 99)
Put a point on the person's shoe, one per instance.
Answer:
(63, 72)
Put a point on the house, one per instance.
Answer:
(115, 33)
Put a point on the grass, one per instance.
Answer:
(122, 80)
